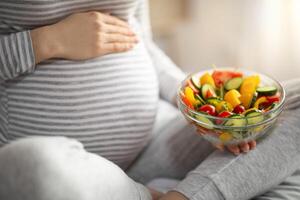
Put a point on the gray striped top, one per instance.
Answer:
(107, 103)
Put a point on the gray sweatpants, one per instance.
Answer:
(271, 171)
(58, 168)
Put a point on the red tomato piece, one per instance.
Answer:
(221, 77)
(223, 114)
(209, 109)
(239, 109)
(273, 99)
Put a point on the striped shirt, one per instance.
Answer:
(107, 103)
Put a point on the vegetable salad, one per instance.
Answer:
(242, 100)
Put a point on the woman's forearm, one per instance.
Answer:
(44, 44)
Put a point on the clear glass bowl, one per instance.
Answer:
(211, 131)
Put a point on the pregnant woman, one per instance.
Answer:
(88, 71)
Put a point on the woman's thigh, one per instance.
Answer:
(45, 168)
(175, 148)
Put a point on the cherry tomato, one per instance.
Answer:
(239, 109)
(223, 114)
(273, 99)
(221, 77)
(209, 109)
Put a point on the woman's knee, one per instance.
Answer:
(29, 167)
(59, 168)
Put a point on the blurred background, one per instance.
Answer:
(261, 35)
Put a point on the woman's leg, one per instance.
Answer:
(175, 148)
(45, 168)
(222, 175)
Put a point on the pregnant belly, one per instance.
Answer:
(108, 103)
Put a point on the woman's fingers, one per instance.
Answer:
(234, 149)
(118, 30)
(117, 47)
(114, 21)
(244, 147)
(118, 38)
(252, 144)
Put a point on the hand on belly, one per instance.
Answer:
(82, 36)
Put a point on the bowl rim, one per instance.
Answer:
(278, 108)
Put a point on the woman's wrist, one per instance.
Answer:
(45, 43)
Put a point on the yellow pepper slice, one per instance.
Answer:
(250, 84)
(223, 105)
(248, 88)
(225, 137)
(232, 97)
(260, 101)
(246, 99)
(189, 94)
(207, 79)
(251, 109)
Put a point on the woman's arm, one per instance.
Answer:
(16, 55)
(170, 76)
(98, 35)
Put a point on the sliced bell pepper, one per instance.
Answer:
(207, 79)
(224, 106)
(246, 99)
(248, 89)
(273, 99)
(232, 97)
(260, 101)
(189, 94)
(187, 102)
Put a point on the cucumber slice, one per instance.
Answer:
(254, 117)
(198, 97)
(235, 121)
(267, 91)
(213, 101)
(254, 98)
(196, 82)
(207, 123)
(205, 88)
(233, 83)
(222, 92)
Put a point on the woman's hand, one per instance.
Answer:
(156, 195)
(235, 149)
(238, 149)
(83, 36)
(173, 195)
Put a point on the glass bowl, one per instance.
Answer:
(213, 132)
